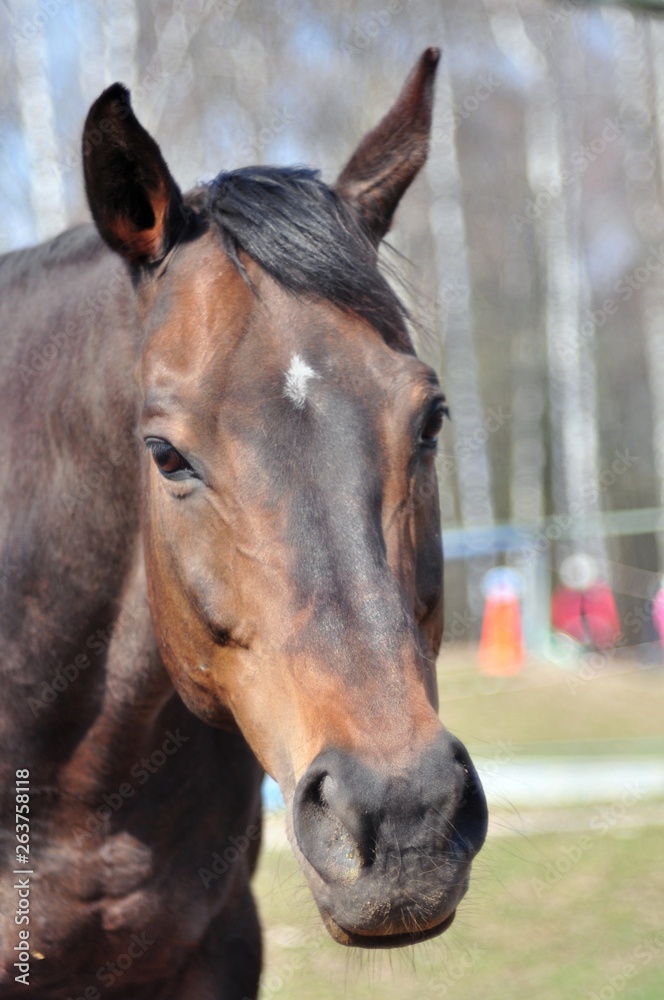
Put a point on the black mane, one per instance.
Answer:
(302, 233)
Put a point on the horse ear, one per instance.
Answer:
(136, 204)
(390, 156)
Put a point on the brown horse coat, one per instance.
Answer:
(220, 554)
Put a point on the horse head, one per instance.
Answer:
(290, 517)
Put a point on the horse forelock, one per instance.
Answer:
(302, 233)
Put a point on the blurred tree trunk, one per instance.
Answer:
(469, 463)
(528, 444)
(528, 362)
(38, 125)
(121, 32)
(555, 131)
(639, 76)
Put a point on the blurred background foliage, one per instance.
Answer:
(530, 250)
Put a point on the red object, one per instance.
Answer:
(589, 616)
(501, 643)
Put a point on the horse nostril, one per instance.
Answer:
(326, 791)
(314, 796)
(470, 825)
(321, 831)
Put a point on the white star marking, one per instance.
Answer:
(297, 379)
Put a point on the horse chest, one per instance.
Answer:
(127, 888)
(121, 826)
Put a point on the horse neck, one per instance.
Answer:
(132, 691)
(78, 651)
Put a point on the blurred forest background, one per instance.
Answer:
(530, 250)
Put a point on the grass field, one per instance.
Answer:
(524, 932)
(545, 708)
(571, 910)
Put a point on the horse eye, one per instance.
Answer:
(168, 459)
(433, 426)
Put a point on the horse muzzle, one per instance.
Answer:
(387, 855)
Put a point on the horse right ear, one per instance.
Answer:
(136, 204)
(389, 158)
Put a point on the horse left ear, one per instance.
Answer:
(391, 155)
(136, 204)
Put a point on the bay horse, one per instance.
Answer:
(221, 557)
